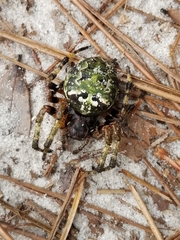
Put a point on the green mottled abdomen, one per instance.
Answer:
(91, 86)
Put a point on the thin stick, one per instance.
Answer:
(4, 234)
(65, 204)
(159, 112)
(146, 184)
(161, 102)
(159, 118)
(168, 189)
(158, 89)
(112, 191)
(117, 217)
(94, 27)
(93, 43)
(36, 45)
(15, 62)
(63, 196)
(13, 228)
(80, 4)
(23, 215)
(146, 213)
(72, 212)
(124, 37)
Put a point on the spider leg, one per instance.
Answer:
(125, 103)
(60, 121)
(115, 143)
(62, 63)
(57, 69)
(108, 138)
(45, 109)
(77, 150)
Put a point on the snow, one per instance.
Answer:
(45, 23)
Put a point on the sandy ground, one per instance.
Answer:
(45, 23)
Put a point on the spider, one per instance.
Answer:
(93, 102)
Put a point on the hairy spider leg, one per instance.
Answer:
(63, 62)
(60, 121)
(115, 144)
(108, 140)
(60, 115)
(54, 74)
(125, 102)
(112, 138)
(113, 131)
(45, 109)
(78, 149)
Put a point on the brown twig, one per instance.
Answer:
(111, 223)
(51, 165)
(36, 45)
(112, 191)
(148, 15)
(84, 33)
(106, 15)
(83, 6)
(23, 215)
(65, 204)
(159, 118)
(22, 232)
(72, 212)
(117, 217)
(174, 236)
(146, 213)
(146, 184)
(161, 153)
(49, 216)
(4, 234)
(159, 112)
(158, 176)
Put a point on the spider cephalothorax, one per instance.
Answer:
(91, 89)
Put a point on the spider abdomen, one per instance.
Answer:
(91, 86)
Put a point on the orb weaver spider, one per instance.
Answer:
(92, 94)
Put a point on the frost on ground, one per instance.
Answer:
(45, 23)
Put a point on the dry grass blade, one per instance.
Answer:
(158, 89)
(158, 176)
(72, 211)
(117, 217)
(4, 234)
(93, 43)
(159, 112)
(146, 213)
(146, 184)
(159, 118)
(174, 236)
(22, 232)
(65, 204)
(36, 45)
(82, 5)
(161, 153)
(15, 62)
(93, 28)
(24, 216)
(33, 187)
(112, 191)
(46, 214)
(160, 102)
